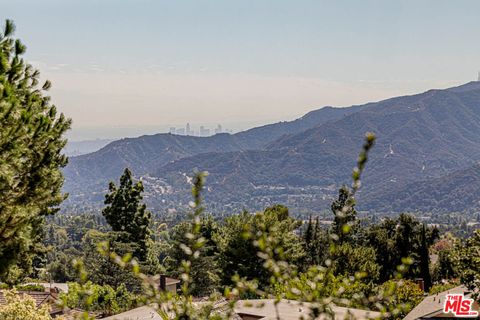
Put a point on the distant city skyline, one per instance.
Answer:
(145, 64)
(202, 131)
(119, 132)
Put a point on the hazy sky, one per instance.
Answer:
(142, 66)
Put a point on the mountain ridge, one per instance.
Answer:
(93, 171)
(420, 137)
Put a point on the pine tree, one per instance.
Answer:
(126, 213)
(31, 141)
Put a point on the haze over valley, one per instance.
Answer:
(422, 139)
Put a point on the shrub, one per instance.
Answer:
(30, 287)
(94, 297)
(23, 307)
(403, 296)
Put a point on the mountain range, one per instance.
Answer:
(426, 155)
(77, 148)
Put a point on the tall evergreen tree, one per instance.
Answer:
(308, 244)
(314, 243)
(126, 213)
(31, 141)
(425, 260)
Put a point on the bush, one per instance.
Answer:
(22, 307)
(98, 298)
(437, 288)
(403, 296)
(30, 287)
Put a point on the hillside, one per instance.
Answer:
(87, 176)
(302, 163)
(457, 191)
(420, 137)
(76, 148)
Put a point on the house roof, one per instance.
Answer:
(266, 309)
(141, 313)
(75, 314)
(219, 307)
(150, 313)
(433, 304)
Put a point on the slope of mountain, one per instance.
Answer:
(87, 176)
(422, 137)
(77, 148)
(455, 192)
(257, 138)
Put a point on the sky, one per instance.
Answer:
(128, 67)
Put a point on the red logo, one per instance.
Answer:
(459, 306)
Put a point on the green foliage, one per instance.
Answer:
(98, 249)
(402, 296)
(63, 237)
(424, 264)
(60, 269)
(23, 287)
(315, 244)
(357, 260)
(23, 307)
(441, 287)
(445, 268)
(396, 239)
(104, 298)
(31, 141)
(30, 287)
(238, 239)
(317, 284)
(181, 306)
(467, 262)
(345, 215)
(125, 213)
(204, 270)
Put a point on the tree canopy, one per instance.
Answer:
(31, 142)
(126, 213)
